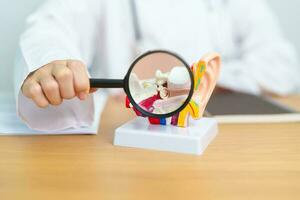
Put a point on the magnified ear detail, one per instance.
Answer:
(160, 84)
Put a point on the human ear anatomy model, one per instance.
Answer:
(165, 92)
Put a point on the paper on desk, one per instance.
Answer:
(10, 124)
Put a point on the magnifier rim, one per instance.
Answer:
(132, 101)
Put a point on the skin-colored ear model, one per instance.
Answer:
(212, 61)
(206, 73)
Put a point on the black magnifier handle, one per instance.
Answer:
(106, 83)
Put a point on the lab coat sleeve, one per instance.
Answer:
(58, 30)
(267, 62)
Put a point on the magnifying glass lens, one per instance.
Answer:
(160, 83)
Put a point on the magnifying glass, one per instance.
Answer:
(158, 84)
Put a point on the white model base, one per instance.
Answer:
(191, 140)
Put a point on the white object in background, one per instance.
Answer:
(191, 140)
(10, 124)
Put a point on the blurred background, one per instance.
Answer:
(14, 12)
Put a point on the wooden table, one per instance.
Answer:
(243, 162)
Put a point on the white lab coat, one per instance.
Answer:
(100, 33)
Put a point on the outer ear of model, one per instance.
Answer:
(206, 72)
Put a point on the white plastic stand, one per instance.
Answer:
(191, 140)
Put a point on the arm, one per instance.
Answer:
(267, 62)
(58, 41)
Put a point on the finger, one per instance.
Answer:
(33, 90)
(92, 90)
(51, 89)
(64, 77)
(80, 78)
